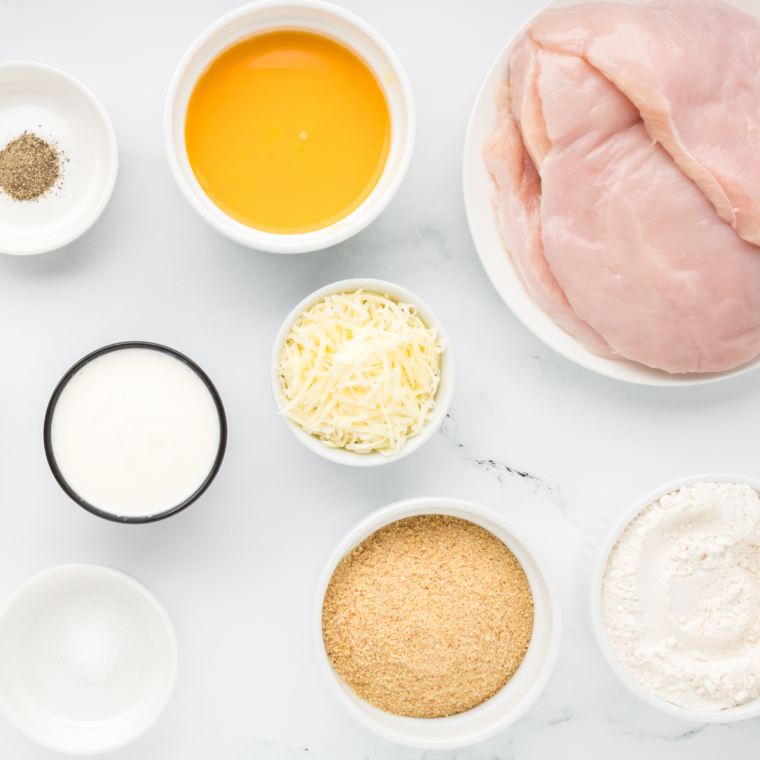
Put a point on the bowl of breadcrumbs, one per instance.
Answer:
(436, 623)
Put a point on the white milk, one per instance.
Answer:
(135, 432)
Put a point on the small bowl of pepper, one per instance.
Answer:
(58, 158)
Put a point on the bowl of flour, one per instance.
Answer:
(675, 598)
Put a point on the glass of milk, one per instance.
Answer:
(135, 432)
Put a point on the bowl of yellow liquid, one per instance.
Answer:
(289, 126)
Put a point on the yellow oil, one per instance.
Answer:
(287, 132)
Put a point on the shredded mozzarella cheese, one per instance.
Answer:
(360, 372)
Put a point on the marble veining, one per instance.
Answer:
(505, 474)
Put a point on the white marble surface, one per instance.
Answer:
(553, 447)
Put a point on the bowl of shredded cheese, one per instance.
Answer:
(362, 372)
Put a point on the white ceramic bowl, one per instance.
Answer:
(88, 659)
(481, 216)
(38, 98)
(303, 15)
(730, 715)
(524, 687)
(443, 395)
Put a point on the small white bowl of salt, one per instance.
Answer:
(88, 659)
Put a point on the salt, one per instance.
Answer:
(90, 639)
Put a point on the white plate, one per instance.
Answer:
(520, 692)
(498, 264)
(56, 107)
(88, 659)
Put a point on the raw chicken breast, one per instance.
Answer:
(526, 105)
(693, 71)
(638, 250)
(518, 198)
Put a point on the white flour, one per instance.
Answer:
(680, 596)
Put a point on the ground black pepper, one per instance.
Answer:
(29, 167)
